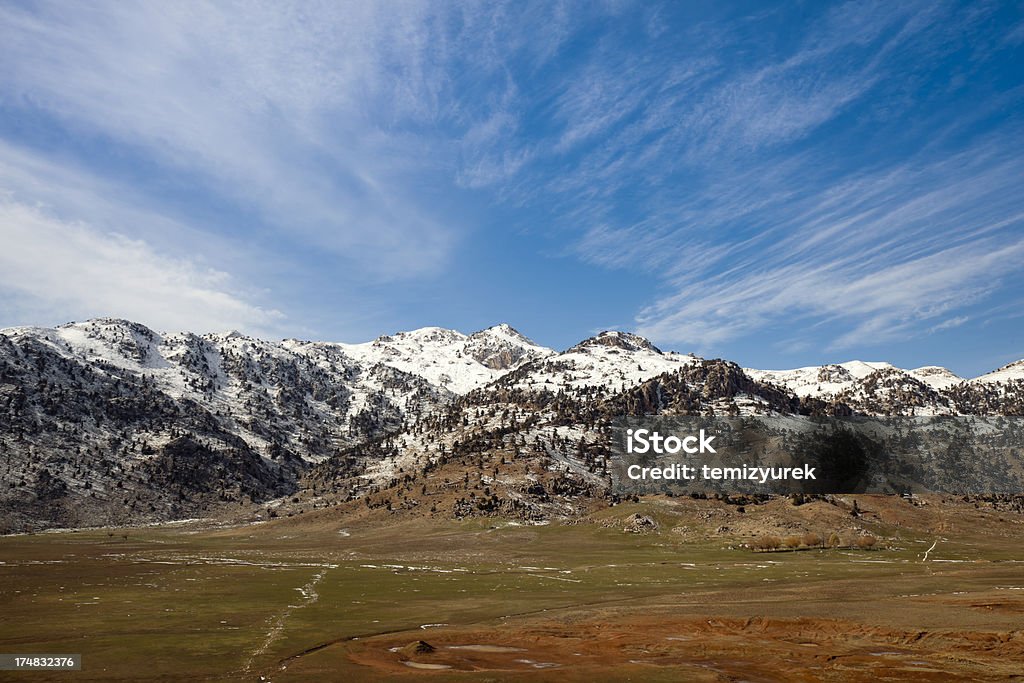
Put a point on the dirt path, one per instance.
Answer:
(309, 597)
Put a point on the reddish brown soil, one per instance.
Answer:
(666, 645)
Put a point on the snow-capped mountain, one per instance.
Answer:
(613, 361)
(819, 381)
(108, 421)
(937, 377)
(1008, 373)
(449, 359)
(871, 386)
(133, 424)
(824, 381)
(880, 388)
(265, 392)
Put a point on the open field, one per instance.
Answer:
(341, 596)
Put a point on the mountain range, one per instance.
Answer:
(109, 422)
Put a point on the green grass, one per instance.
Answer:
(170, 603)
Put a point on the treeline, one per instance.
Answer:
(810, 541)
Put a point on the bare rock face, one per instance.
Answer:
(834, 374)
(639, 524)
(501, 359)
(502, 348)
(617, 340)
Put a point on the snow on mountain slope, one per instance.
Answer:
(875, 387)
(107, 421)
(307, 397)
(612, 360)
(936, 377)
(503, 348)
(1007, 373)
(819, 380)
(822, 381)
(120, 342)
(891, 391)
(448, 358)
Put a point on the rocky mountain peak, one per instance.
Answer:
(834, 373)
(503, 331)
(111, 338)
(502, 347)
(625, 341)
(107, 420)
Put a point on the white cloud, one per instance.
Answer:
(52, 271)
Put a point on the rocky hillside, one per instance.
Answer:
(448, 359)
(882, 389)
(107, 421)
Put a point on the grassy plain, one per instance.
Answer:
(335, 595)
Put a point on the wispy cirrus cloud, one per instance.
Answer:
(761, 200)
(883, 256)
(817, 164)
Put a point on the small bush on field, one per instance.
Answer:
(766, 543)
(866, 542)
(792, 542)
(812, 540)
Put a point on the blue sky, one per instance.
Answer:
(781, 186)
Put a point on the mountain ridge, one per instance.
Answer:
(107, 421)
(1012, 370)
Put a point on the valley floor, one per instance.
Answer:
(340, 596)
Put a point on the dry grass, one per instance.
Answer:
(201, 603)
